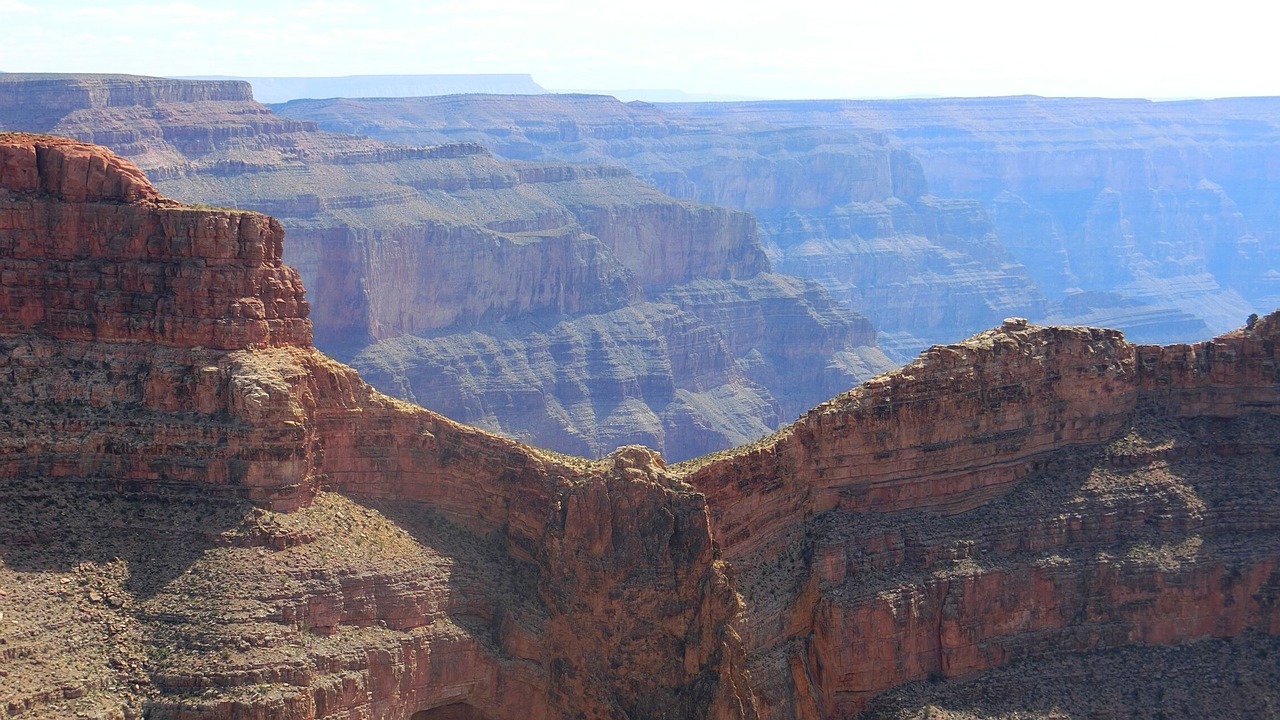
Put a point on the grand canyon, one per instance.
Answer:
(568, 305)
(552, 406)
(205, 517)
(935, 218)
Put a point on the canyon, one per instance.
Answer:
(936, 218)
(205, 517)
(567, 305)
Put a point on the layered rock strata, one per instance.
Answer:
(1157, 218)
(422, 248)
(172, 545)
(1029, 492)
(251, 531)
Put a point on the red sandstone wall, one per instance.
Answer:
(89, 251)
(871, 599)
(152, 346)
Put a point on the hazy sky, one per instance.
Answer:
(788, 49)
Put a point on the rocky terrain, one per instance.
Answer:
(936, 218)
(201, 516)
(204, 517)
(1030, 492)
(602, 296)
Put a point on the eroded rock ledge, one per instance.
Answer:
(1029, 492)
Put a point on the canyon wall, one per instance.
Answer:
(936, 218)
(424, 249)
(1029, 492)
(204, 517)
(170, 472)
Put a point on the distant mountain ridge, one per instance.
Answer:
(284, 89)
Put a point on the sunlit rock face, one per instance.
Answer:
(202, 516)
(1023, 496)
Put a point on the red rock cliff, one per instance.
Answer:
(203, 517)
(92, 252)
(1029, 492)
(156, 359)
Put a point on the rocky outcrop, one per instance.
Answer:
(1028, 492)
(423, 246)
(205, 517)
(81, 263)
(93, 256)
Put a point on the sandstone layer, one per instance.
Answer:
(408, 248)
(1030, 492)
(172, 543)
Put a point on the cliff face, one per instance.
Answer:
(647, 374)
(1027, 492)
(1151, 217)
(937, 217)
(422, 247)
(454, 569)
(699, 367)
(88, 267)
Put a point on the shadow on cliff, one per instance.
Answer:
(1223, 678)
(1147, 488)
(57, 526)
(490, 591)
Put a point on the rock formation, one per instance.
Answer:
(203, 517)
(282, 89)
(432, 250)
(170, 382)
(937, 217)
(1029, 492)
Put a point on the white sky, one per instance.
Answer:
(789, 49)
